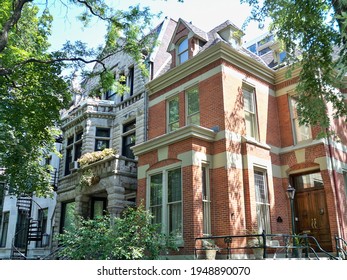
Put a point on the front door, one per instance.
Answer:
(311, 209)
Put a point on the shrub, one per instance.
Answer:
(131, 237)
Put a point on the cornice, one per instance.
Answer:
(190, 131)
(218, 51)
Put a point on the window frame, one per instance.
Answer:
(102, 139)
(190, 115)
(4, 228)
(130, 80)
(206, 199)
(165, 219)
(42, 217)
(184, 52)
(73, 149)
(64, 204)
(253, 118)
(262, 205)
(128, 134)
(296, 127)
(173, 125)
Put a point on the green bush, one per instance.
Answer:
(131, 237)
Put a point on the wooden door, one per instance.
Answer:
(312, 216)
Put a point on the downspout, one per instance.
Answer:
(335, 186)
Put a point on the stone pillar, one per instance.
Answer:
(115, 197)
(82, 205)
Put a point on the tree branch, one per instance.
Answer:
(91, 10)
(71, 59)
(12, 21)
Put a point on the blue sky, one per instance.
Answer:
(203, 14)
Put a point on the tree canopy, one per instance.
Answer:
(33, 89)
(317, 31)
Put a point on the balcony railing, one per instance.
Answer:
(94, 106)
(113, 165)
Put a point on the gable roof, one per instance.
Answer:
(193, 31)
(213, 37)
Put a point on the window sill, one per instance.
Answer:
(253, 141)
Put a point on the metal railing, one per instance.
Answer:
(341, 248)
(262, 246)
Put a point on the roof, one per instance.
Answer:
(214, 36)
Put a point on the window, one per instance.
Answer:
(250, 112)
(173, 114)
(264, 51)
(102, 138)
(193, 106)
(21, 238)
(300, 132)
(110, 95)
(253, 48)
(130, 81)
(182, 51)
(345, 181)
(122, 83)
(2, 196)
(308, 181)
(67, 216)
(42, 218)
(262, 201)
(98, 208)
(4, 229)
(129, 138)
(165, 201)
(206, 200)
(73, 151)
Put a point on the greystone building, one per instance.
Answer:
(101, 131)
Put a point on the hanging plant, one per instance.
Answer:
(92, 157)
(88, 179)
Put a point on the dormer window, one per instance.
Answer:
(182, 51)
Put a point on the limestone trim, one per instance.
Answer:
(220, 50)
(190, 131)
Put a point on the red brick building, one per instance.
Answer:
(223, 145)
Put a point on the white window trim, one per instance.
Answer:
(207, 201)
(292, 122)
(188, 117)
(178, 60)
(168, 113)
(266, 189)
(344, 173)
(165, 215)
(252, 91)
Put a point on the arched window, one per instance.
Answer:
(182, 51)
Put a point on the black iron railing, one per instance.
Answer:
(262, 246)
(341, 247)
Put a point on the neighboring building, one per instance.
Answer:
(94, 125)
(26, 223)
(224, 144)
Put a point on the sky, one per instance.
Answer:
(203, 14)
